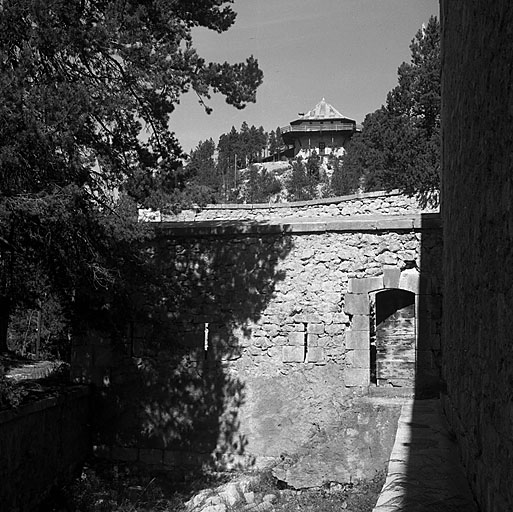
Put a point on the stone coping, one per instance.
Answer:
(301, 204)
(58, 397)
(358, 223)
(424, 471)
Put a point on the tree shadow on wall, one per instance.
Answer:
(168, 390)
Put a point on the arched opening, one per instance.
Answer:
(393, 339)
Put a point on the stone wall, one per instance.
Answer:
(256, 335)
(477, 120)
(42, 444)
(369, 203)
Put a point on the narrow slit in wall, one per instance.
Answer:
(205, 342)
(305, 343)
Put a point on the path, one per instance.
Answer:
(424, 473)
(23, 369)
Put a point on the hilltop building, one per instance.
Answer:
(323, 129)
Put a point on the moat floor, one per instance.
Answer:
(424, 473)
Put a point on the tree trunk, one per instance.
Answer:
(4, 322)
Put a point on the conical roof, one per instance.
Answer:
(321, 112)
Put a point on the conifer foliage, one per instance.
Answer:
(215, 170)
(399, 146)
(86, 91)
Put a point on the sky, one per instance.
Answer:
(346, 51)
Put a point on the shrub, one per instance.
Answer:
(11, 395)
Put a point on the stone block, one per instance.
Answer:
(315, 355)
(82, 355)
(315, 328)
(435, 341)
(358, 358)
(331, 297)
(78, 375)
(425, 338)
(230, 494)
(338, 340)
(297, 339)
(426, 359)
(307, 254)
(124, 454)
(365, 284)
(356, 304)
(333, 329)
(249, 497)
(355, 377)
(102, 356)
(387, 258)
(216, 335)
(360, 323)
(340, 318)
(100, 376)
(293, 354)
(198, 354)
(232, 355)
(313, 340)
(102, 451)
(312, 318)
(194, 339)
(273, 352)
(410, 281)
(150, 456)
(280, 340)
(184, 459)
(391, 276)
(357, 340)
(173, 458)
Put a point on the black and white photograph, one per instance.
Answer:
(256, 255)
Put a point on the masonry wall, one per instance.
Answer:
(256, 336)
(369, 203)
(42, 444)
(477, 120)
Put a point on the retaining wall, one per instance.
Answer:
(477, 121)
(256, 335)
(42, 444)
(369, 203)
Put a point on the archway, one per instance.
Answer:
(416, 364)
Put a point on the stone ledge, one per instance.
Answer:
(298, 225)
(71, 392)
(424, 448)
(302, 204)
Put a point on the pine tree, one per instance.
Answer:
(272, 145)
(301, 184)
(279, 139)
(81, 86)
(204, 180)
(342, 182)
(399, 146)
(260, 186)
